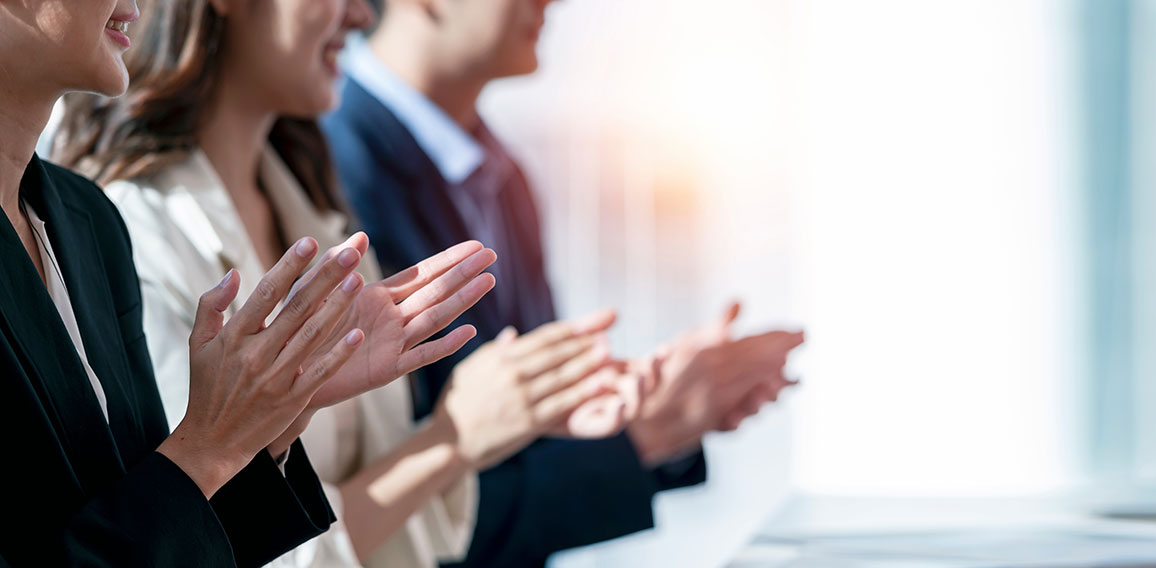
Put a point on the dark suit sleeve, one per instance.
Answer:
(154, 516)
(266, 513)
(557, 495)
(682, 473)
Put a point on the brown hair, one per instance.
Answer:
(174, 70)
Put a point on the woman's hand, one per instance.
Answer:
(708, 381)
(249, 382)
(514, 389)
(400, 312)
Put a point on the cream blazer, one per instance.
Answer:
(186, 235)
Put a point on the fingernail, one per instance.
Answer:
(227, 278)
(306, 248)
(351, 283)
(355, 337)
(348, 258)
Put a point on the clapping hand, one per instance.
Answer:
(402, 311)
(707, 381)
(248, 382)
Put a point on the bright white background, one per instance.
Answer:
(897, 176)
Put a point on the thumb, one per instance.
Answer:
(211, 310)
(731, 313)
(507, 336)
(728, 318)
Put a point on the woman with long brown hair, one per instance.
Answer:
(214, 159)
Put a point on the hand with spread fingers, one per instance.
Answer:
(250, 382)
(514, 389)
(706, 381)
(401, 312)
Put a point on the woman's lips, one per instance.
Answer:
(118, 31)
(117, 26)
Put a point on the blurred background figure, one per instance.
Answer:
(954, 197)
(420, 168)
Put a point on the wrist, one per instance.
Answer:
(443, 437)
(649, 440)
(278, 447)
(209, 468)
(659, 441)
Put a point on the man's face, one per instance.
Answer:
(498, 38)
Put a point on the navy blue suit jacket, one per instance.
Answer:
(556, 494)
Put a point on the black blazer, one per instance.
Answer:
(556, 494)
(80, 490)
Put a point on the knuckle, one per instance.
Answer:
(266, 291)
(332, 269)
(297, 307)
(310, 331)
(271, 390)
(204, 303)
(321, 369)
(230, 339)
(250, 361)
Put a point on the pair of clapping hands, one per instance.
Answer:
(559, 380)
(254, 387)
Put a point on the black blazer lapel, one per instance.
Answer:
(52, 364)
(94, 308)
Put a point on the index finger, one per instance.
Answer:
(552, 333)
(416, 277)
(273, 286)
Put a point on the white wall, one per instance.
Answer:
(939, 239)
(896, 175)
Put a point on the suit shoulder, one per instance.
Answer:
(80, 192)
(71, 183)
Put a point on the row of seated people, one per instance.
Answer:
(203, 367)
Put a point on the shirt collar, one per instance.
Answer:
(456, 154)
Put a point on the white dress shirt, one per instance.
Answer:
(186, 235)
(59, 294)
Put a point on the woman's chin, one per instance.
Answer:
(112, 83)
(312, 108)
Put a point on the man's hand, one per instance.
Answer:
(706, 381)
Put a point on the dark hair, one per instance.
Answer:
(174, 71)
